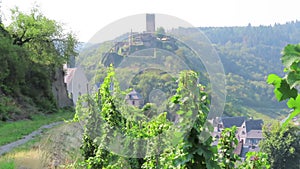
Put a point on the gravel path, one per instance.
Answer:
(8, 147)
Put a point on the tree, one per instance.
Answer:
(32, 49)
(282, 145)
(44, 38)
(13, 66)
(160, 32)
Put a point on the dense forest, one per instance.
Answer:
(248, 55)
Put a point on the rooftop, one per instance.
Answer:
(133, 95)
(254, 125)
(232, 121)
(254, 134)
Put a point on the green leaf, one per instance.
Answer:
(175, 99)
(274, 80)
(293, 79)
(291, 54)
(285, 91)
(282, 89)
(294, 104)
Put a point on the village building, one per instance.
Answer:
(76, 81)
(134, 98)
(249, 133)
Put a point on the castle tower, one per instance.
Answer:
(150, 23)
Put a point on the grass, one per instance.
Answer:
(61, 141)
(7, 164)
(13, 131)
(33, 158)
(30, 158)
(28, 155)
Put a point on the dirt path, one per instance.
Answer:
(8, 147)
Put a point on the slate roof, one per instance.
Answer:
(254, 134)
(253, 125)
(133, 95)
(232, 121)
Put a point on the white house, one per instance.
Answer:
(251, 132)
(77, 83)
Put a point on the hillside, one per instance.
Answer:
(248, 55)
(33, 49)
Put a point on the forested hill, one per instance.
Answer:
(249, 54)
(275, 35)
(263, 41)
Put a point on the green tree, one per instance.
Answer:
(13, 65)
(282, 145)
(32, 48)
(44, 38)
(160, 32)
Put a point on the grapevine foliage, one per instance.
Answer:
(285, 87)
(177, 144)
(255, 160)
(226, 145)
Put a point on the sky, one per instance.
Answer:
(87, 17)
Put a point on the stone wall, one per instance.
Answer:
(59, 90)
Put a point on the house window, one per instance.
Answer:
(243, 132)
(133, 102)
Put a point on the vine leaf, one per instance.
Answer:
(293, 78)
(282, 89)
(274, 80)
(291, 54)
(294, 104)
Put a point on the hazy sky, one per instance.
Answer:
(86, 17)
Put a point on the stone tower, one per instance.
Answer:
(150, 23)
